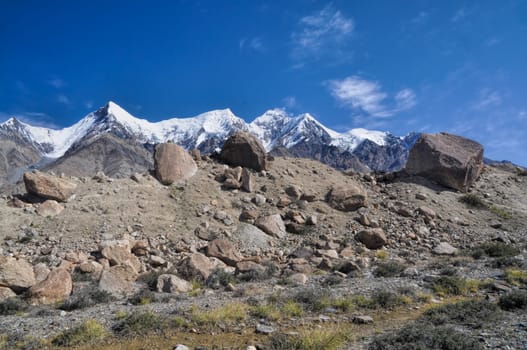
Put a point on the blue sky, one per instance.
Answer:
(399, 66)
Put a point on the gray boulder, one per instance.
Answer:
(245, 150)
(172, 163)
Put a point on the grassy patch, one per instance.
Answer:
(516, 277)
(454, 285)
(515, 300)
(316, 339)
(140, 324)
(381, 254)
(269, 312)
(501, 212)
(389, 269)
(228, 314)
(292, 309)
(495, 250)
(89, 332)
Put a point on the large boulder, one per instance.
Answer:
(452, 161)
(347, 197)
(118, 280)
(373, 238)
(6, 293)
(273, 225)
(196, 265)
(49, 186)
(172, 163)
(55, 288)
(245, 150)
(167, 283)
(16, 274)
(224, 250)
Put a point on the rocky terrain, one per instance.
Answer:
(244, 251)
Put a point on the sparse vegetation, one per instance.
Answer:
(389, 269)
(88, 332)
(140, 324)
(454, 285)
(516, 277)
(515, 300)
(316, 339)
(13, 306)
(220, 278)
(86, 297)
(269, 312)
(495, 250)
(230, 313)
(501, 212)
(473, 200)
(470, 313)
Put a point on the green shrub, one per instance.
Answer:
(516, 277)
(389, 269)
(388, 300)
(470, 313)
(473, 200)
(514, 300)
(425, 336)
(454, 285)
(87, 333)
(316, 339)
(140, 324)
(13, 306)
(220, 278)
(86, 297)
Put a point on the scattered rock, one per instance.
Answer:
(196, 265)
(264, 329)
(273, 225)
(118, 280)
(48, 186)
(444, 248)
(172, 284)
(6, 293)
(49, 208)
(372, 238)
(224, 250)
(16, 274)
(453, 161)
(362, 319)
(172, 163)
(55, 288)
(244, 149)
(347, 197)
(248, 181)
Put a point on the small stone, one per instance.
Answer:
(362, 319)
(181, 347)
(259, 199)
(420, 196)
(298, 279)
(444, 248)
(157, 261)
(263, 329)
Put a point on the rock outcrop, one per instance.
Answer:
(452, 161)
(55, 288)
(245, 150)
(172, 163)
(48, 186)
(347, 197)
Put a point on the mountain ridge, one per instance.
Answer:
(299, 135)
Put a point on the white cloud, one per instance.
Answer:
(422, 17)
(63, 99)
(365, 96)
(405, 99)
(459, 15)
(290, 101)
(255, 44)
(57, 83)
(487, 99)
(361, 95)
(88, 104)
(320, 31)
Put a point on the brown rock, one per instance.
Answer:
(451, 160)
(224, 250)
(172, 284)
(347, 198)
(16, 274)
(249, 266)
(248, 215)
(244, 149)
(48, 186)
(405, 212)
(41, 272)
(195, 154)
(429, 213)
(248, 182)
(55, 288)
(196, 265)
(6, 293)
(273, 225)
(49, 208)
(92, 267)
(118, 280)
(172, 163)
(231, 184)
(373, 238)
(140, 248)
(294, 192)
(119, 255)
(233, 173)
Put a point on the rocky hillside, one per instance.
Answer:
(259, 258)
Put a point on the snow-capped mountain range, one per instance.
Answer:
(280, 132)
